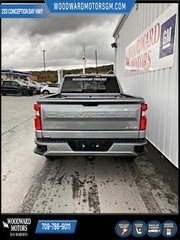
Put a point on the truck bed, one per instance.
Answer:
(58, 98)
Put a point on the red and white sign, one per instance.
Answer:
(154, 48)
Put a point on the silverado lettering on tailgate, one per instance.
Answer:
(122, 115)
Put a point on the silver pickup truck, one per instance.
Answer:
(90, 116)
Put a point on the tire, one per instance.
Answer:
(46, 92)
(30, 93)
(24, 92)
(4, 94)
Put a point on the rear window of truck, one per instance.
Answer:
(90, 85)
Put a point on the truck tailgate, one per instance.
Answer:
(84, 117)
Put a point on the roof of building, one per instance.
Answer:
(119, 25)
(15, 72)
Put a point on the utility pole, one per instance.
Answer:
(60, 75)
(84, 60)
(44, 59)
(96, 60)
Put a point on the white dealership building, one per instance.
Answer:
(146, 63)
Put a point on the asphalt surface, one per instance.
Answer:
(32, 184)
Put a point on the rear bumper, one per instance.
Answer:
(63, 148)
(71, 134)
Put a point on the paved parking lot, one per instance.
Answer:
(30, 183)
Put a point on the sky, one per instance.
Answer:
(62, 36)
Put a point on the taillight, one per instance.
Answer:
(37, 119)
(143, 119)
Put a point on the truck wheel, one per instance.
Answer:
(24, 93)
(46, 92)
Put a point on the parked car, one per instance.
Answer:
(44, 84)
(16, 87)
(50, 88)
(32, 85)
(90, 116)
(38, 86)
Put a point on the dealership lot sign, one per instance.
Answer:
(154, 48)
